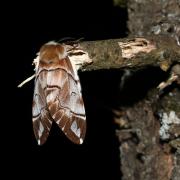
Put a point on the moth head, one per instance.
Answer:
(52, 52)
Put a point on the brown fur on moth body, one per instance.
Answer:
(52, 52)
(57, 92)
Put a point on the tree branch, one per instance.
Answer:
(132, 53)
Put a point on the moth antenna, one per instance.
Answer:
(79, 40)
(70, 40)
(65, 39)
(26, 80)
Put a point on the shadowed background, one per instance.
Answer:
(27, 26)
(34, 24)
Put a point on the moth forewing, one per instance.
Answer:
(57, 93)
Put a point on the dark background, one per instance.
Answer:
(29, 25)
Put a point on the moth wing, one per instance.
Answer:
(64, 100)
(41, 118)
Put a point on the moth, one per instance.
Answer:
(57, 92)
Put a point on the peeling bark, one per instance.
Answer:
(140, 52)
(149, 129)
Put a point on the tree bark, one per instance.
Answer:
(132, 53)
(149, 129)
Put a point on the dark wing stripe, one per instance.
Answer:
(52, 86)
(42, 121)
(54, 104)
(56, 69)
(75, 114)
(57, 96)
(65, 102)
(42, 125)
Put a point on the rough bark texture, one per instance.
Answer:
(144, 152)
(154, 17)
(149, 129)
(108, 54)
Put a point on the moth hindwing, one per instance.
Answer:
(57, 93)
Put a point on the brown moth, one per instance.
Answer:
(57, 93)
